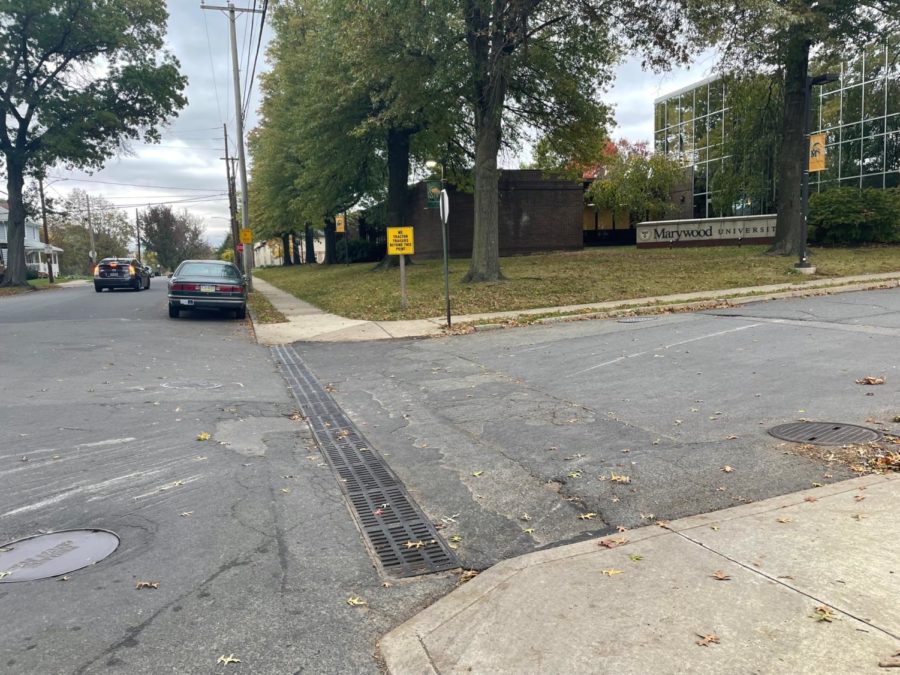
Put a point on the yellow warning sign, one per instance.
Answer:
(400, 241)
(246, 235)
(816, 152)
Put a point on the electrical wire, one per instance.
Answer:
(158, 187)
(249, 48)
(212, 66)
(262, 25)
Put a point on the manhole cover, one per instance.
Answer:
(824, 433)
(49, 555)
(187, 384)
(636, 319)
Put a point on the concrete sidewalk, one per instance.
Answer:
(803, 583)
(306, 322)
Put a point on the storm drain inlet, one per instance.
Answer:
(824, 433)
(43, 556)
(402, 539)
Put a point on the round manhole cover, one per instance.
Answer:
(49, 555)
(824, 433)
(191, 384)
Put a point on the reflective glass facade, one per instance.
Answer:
(860, 115)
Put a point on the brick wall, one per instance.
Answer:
(536, 214)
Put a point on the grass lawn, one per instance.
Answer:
(554, 279)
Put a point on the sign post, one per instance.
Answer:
(445, 214)
(400, 242)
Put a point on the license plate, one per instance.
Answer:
(187, 302)
(207, 289)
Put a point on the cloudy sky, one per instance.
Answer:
(185, 169)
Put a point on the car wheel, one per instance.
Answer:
(240, 313)
(137, 285)
(173, 311)
(97, 288)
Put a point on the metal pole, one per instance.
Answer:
(403, 281)
(46, 232)
(803, 263)
(232, 204)
(445, 198)
(137, 227)
(93, 251)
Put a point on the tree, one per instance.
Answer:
(77, 80)
(70, 224)
(636, 180)
(173, 236)
(777, 36)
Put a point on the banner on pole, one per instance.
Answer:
(816, 152)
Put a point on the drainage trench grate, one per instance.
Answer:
(824, 433)
(636, 319)
(397, 533)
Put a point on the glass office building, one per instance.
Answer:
(860, 115)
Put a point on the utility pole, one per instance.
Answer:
(46, 232)
(239, 123)
(93, 251)
(232, 202)
(137, 227)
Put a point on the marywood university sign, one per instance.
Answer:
(706, 232)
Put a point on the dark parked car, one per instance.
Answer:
(207, 284)
(120, 273)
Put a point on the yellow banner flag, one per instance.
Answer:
(816, 152)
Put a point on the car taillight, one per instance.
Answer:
(97, 271)
(131, 270)
(228, 289)
(185, 287)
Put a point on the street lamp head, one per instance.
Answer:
(825, 78)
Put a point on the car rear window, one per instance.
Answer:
(208, 270)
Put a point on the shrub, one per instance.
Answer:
(360, 251)
(31, 274)
(852, 216)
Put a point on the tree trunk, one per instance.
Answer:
(794, 148)
(286, 249)
(330, 241)
(15, 228)
(295, 241)
(310, 244)
(398, 177)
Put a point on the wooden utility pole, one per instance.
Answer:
(137, 227)
(49, 250)
(232, 202)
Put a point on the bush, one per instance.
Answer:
(852, 216)
(31, 274)
(360, 251)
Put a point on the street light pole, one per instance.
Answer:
(803, 265)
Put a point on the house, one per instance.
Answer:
(37, 252)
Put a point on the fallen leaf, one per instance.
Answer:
(203, 436)
(728, 469)
(616, 478)
(65, 578)
(378, 512)
(415, 544)
(530, 530)
(6, 549)
(455, 547)
(810, 499)
(467, 575)
(859, 516)
(146, 584)
(285, 491)
(635, 557)
(477, 473)
(731, 438)
(719, 575)
(574, 474)
(386, 584)
(858, 498)
(714, 528)
(225, 660)
(870, 379)
(456, 537)
(4, 574)
(706, 640)
(186, 514)
(647, 516)
(817, 485)
(612, 543)
(587, 516)
(621, 528)
(823, 613)
(610, 572)
(355, 601)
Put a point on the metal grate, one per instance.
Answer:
(397, 533)
(824, 433)
(636, 319)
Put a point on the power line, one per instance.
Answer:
(262, 25)
(158, 187)
(212, 66)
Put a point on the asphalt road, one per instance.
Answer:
(505, 438)
(102, 400)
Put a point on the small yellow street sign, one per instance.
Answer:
(816, 152)
(400, 241)
(339, 223)
(246, 235)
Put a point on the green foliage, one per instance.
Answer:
(636, 180)
(173, 237)
(852, 216)
(360, 251)
(31, 274)
(69, 230)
